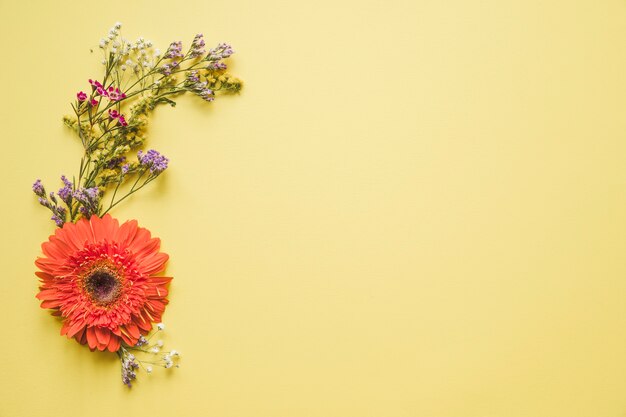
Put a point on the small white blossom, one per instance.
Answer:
(174, 353)
(118, 25)
(123, 67)
(159, 343)
(160, 326)
(149, 369)
(154, 350)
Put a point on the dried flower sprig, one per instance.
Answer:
(152, 354)
(110, 119)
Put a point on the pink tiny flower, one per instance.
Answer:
(93, 102)
(122, 120)
(114, 114)
(81, 96)
(115, 94)
(96, 84)
(101, 91)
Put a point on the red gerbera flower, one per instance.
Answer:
(99, 278)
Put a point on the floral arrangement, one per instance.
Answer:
(102, 278)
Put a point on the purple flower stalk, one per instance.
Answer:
(175, 50)
(38, 188)
(65, 193)
(153, 160)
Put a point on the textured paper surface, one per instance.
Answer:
(415, 208)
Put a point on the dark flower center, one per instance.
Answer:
(102, 286)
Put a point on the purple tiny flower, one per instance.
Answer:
(197, 46)
(92, 193)
(65, 193)
(141, 341)
(44, 202)
(38, 188)
(153, 160)
(125, 169)
(59, 222)
(175, 50)
(81, 96)
(192, 76)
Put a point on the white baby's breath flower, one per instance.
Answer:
(154, 350)
(123, 67)
(149, 369)
(118, 25)
(160, 326)
(159, 343)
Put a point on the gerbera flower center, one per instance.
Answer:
(103, 286)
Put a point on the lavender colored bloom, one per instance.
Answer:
(153, 160)
(217, 66)
(44, 202)
(88, 197)
(65, 193)
(197, 46)
(175, 50)
(221, 51)
(125, 169)
(192, 76)
(59, 222)
(39, 189)
(128, 370)
(142, 341)
(52, 197)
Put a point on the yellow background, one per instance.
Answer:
(415, 208)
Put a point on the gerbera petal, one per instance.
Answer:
(109, 226)
(141, 238)
(114, 344)
(74, 328)
(103, 335)
(92, 341)
(83, 231)
(126, 233)
(132, 330)
(154, 263)
(160, 280)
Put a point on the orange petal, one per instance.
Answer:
(114, 344)
(92, 341)
(103, 335)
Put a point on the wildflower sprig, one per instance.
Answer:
(111, 116)
(145, 356)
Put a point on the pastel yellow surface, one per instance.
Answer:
(415, 208)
